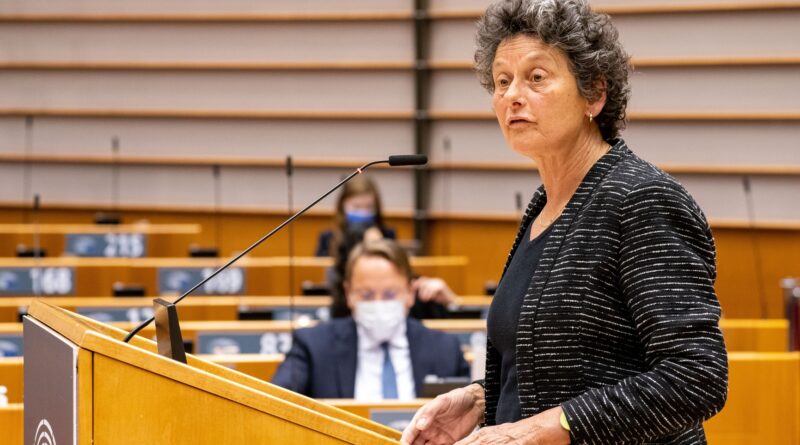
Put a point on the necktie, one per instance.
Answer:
(389, 376)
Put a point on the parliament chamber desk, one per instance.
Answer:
(199, 308)
(273, 336)
(256, 347)
(763, 405)
(740, 334)
(250, 276)
(139, 239)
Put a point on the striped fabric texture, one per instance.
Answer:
(619, 325)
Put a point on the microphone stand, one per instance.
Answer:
(37, 249)
(757, 263)
(290, 203)
(394, 161)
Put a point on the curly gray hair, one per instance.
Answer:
(588, 39)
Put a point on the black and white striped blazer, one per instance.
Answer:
(619, 325)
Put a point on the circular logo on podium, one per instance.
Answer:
(44, 434)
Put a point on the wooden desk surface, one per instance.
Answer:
(150, 229)
(431, 261)
(264, 275)
(441, 324)
(740, 335)
(199, 300)
(203, 300)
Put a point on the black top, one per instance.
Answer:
(503, 320)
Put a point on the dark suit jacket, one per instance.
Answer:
(323, 359)
(619, 324)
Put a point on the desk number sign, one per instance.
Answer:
(177, 280)
(107, 245)
(37, 281)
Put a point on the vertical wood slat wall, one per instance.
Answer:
(714, 100)
(729, 113)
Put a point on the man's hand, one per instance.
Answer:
(433, 289)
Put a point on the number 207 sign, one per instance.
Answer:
(177, 280)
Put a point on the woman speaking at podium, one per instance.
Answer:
(604, 328)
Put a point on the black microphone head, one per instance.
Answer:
(401, 160)
(36, 202)
(289, 166)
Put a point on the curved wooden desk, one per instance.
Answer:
(264, 275)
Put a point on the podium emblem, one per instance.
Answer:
(44, 434)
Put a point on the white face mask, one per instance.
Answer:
(380, 319)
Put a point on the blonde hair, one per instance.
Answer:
(383, 248)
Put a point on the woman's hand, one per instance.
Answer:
(446, 418)
(433, 289)
(541, 429)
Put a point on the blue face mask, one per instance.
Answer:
(360, 217)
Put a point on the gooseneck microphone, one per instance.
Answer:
(393, 161)
(405, 160)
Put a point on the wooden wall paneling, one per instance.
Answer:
(633, 7)
(255, 188)
(479, 141)
(493, 192)
(203, 42)
(12, 422)
(238, 230)
(191, 6)
(209, 138)
(750, 267)
(486, 240)
(244, 187)
(773, 197)
(712, 34)
(96, 277)
(702, 143)
(777, 401)
(300, 91)
(11, 376)
(13, 180)
(716, 89)
(158, 245)
(715, 143)
(12, 135)
(734, 33)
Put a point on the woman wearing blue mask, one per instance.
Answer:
(358, 218)
(358, 215)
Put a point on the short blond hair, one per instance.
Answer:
(382, 248)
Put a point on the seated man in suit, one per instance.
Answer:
(378, 352)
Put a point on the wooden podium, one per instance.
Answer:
(83, 385)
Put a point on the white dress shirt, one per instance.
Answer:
(369, 369)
